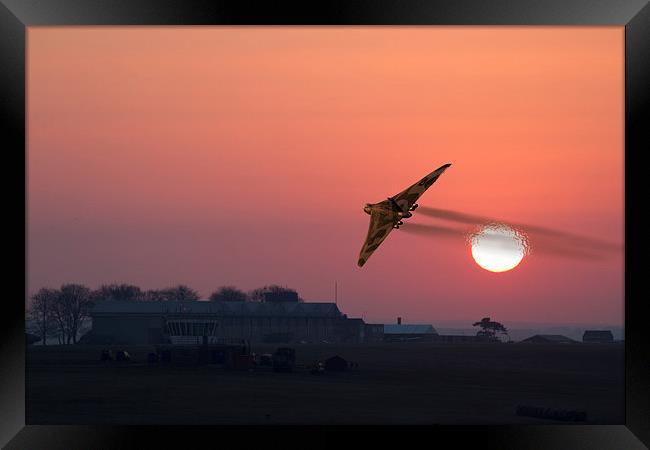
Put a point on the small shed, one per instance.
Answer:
(336, 364)
(549, 339)
(598, 336)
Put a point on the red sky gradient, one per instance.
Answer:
(244, 155)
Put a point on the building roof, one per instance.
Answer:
(597, 336)
(409, 329)
(557, 338)
(598, 333)
(283, 309)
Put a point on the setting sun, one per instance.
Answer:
(498, 248)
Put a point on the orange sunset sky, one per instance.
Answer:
(243, 156)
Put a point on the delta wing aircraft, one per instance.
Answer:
(387, 215)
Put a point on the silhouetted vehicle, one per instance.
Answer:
(284, 359)
(266, 359)
(122, 355)
(231, 356)
(317, 369)
(107, 355)
(336, 364)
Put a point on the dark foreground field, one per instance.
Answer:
(394, 384)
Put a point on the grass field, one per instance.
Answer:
(398, 383)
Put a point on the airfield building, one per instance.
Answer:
(597, 336)
(548, 339)
(199, 321)
(374, 332)
(411, 332)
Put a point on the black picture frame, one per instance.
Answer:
(16, 15)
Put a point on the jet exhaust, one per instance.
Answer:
(541, 240)
(562, 236)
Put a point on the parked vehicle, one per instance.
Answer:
(284, 359)
(107, 355)
(123, 356)
(266, 359)
(317, 369)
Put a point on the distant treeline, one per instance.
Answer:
(129, 292)
(59, 313)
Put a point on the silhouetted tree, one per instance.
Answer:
(71, 306)
(228, 294)
(154, 295)
(274, 293)
(40, 312)
(121, 292)
(489, 329)
(179, 293)
(257, 295)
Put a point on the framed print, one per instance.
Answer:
(292, 219)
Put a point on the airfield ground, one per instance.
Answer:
(397, 383)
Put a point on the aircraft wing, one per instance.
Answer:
(410, 195)
(381, 223)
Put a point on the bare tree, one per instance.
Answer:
(228, 294)
(40, 312)
(257, 295)
(275, 293)
(72, 306)
(179, 293)
(154, 295)
(122, 292)
(58, 312)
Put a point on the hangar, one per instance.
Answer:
(137, 322)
